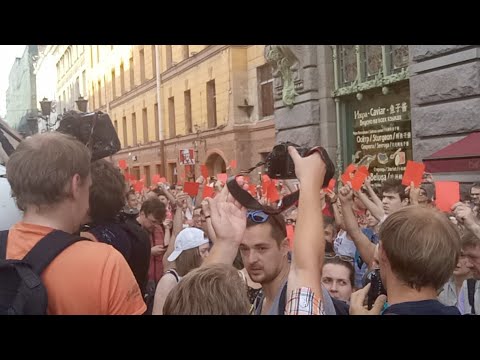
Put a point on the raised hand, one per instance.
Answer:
(345, 194)
(310, 168)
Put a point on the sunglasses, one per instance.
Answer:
(341, 257)
(257, 216)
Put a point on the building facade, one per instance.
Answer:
(214, 102)
(380, 105)
(21, 96)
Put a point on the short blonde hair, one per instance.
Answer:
(216, 289)
(422, 246)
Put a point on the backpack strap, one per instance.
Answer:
(471, 294)
(3, 244)
(40, 256)
(282, 301)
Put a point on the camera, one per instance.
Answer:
(376, 287)
(279, 164)
(95, 130)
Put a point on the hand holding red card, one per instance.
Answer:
(447, 193)
(413, 172)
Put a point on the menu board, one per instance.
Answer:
(382, 135)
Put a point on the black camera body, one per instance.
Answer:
(279, 164)
(92, 129)
(376, 287)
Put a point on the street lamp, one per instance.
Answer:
(82, 104)
(46, 106)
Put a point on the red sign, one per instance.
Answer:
(447, 193)
(191, 188)
(208, 192)
(187, 157)
(413, 173)
(122, 164)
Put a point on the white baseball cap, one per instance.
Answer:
(188, 238)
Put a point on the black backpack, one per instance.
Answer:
(21, 289)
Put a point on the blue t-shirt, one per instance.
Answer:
(424, 307)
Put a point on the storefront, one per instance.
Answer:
(372, 98)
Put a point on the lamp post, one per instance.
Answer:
(46, 106)
(82, 104)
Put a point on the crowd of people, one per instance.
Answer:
(162, 251)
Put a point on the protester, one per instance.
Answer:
(87, 277)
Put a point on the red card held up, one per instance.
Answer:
(233, 164)
(122, 164)
(413, 172)
(331, 184)
(272, 193)
(208, 192)
(191, 188)
(447, 193)
(204, 170)
(358, 180)
(348, 174)
(162, 180)
(363, 169)
(156, 179)
(138, 186)
(222, 177)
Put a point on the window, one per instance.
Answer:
(155, 110)
(145, 126)
(372, 61)
(158, 169)
(185, 52)
(188, 112)
(84, 83)
(265, 83)
(136, 172)
(147, 175)
(115, 123)
(399, 57)
(114, 91)
(134, 129)
(172, 173)
(168, 53)
(154, 61)
(348, 64)
(99, 93)
(211, 104)
(171, 117)
(132, 79)
(93, 96)
(124, 128)
(142, 66)
(122, 79)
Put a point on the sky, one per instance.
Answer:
(8, 53)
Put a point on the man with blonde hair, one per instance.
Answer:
(216, 289)
(50, 179)
(418, 252)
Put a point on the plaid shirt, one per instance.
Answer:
(304, 302)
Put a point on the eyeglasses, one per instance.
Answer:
(257, 216)
(341, 257)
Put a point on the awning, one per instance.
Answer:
(461, 156)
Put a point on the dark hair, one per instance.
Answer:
(394, 186)
(107, 191)
(130, 192)
(155, 207)
(278, 228)
(469, 239)
(328, 220)
(337, 261)
(476, 186)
